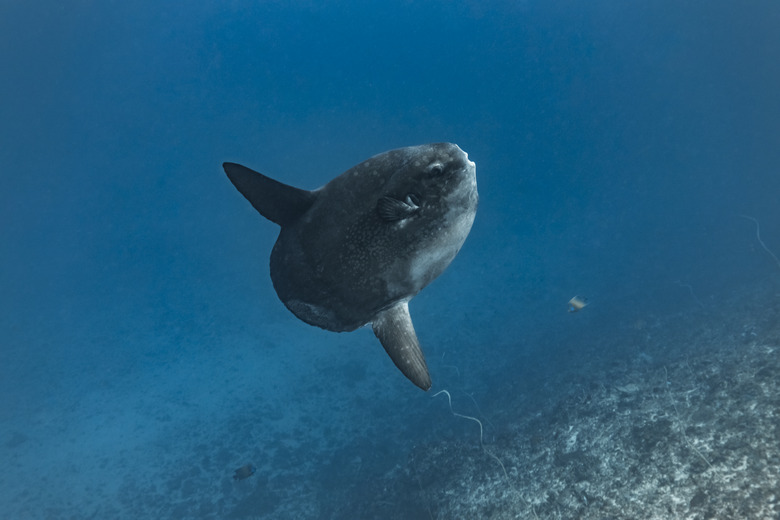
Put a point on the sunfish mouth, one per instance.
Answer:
(466, 159)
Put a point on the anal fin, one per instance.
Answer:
(395, 331)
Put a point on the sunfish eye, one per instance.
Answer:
(436, 168)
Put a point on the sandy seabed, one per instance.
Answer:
(688, 427)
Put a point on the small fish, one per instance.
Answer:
(244, 472)
(577, 303)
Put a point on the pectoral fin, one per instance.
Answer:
(395, 331)
(391, 209)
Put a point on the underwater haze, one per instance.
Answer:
(626, 152)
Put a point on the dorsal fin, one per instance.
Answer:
(274, 200)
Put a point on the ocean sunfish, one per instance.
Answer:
(356, 250)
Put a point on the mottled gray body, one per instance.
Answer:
(358, 249)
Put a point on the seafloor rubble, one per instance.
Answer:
(669, 416)
(694, 436)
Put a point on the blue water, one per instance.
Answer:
(144, 355)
